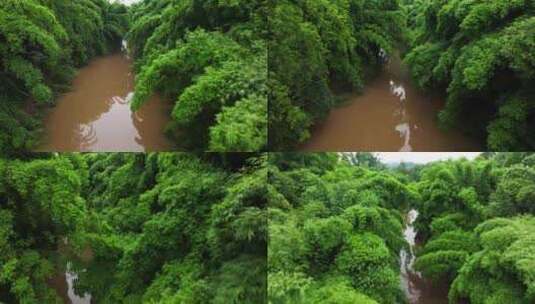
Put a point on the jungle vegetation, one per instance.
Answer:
(477, 54)
(335, 228)
(480, 55)
(42, 42)
(137, 228)
(210, 59)
(315, 45)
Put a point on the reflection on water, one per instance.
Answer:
(390, 115)
(96, 116)
(404, 130)
(71, 277)
(417, 289)
(404, 127)
(124, 49)
(63, 284)
(69, 266)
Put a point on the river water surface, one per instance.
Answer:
(95, 115)
(417, 289)
(390, 115)
(63, 283)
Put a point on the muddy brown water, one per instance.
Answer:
(418, 289)
(95, 114)
(390, 115)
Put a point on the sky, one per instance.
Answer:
(423, 157)
(127, 1)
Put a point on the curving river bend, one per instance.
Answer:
(95, 114)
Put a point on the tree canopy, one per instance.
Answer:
(479, 53)
(210, 58)
(477, 223)
(336, 228)
(315, 46)
(335, 231)
(41, 43)
(160, 228)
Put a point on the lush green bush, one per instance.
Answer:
(479, 53)
(486, 258)
(160, 228)
(40, 207)
(335, 228)
(210, 58)
(41, 42)
(182, 231)
(315, 45)
(502, 271)
(335, 231)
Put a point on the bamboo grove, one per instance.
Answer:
(208, 57)
(478, 55)
(315, 45)
(335, 229)
(41, 45)
(137, 228)
(253, 228)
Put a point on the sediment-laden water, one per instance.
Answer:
(390, 115)
(96, 116)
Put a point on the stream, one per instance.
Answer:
(417, 289)
(390, 115)
(63, 283)
(96, 116)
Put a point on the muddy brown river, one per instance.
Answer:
(95, 115)
(418, 289)
(390, 115)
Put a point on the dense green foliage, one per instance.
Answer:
(316, 45)
(477, 221)
(480, 54)
(160, 228)
(335, 231)
(41, 42)
(210, 58)
(40, 204)
(335, 227)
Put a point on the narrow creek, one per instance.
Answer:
(417, 289)
(63, 283)
(390, 115)
(95, 115)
